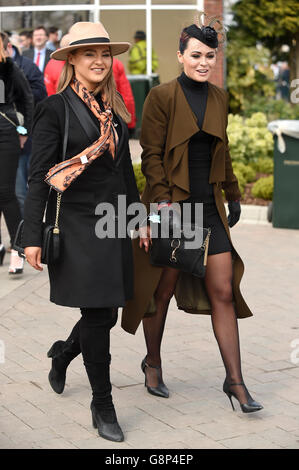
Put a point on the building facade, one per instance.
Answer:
(163, 21)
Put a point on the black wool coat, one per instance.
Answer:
(91, 272)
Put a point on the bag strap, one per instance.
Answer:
(82, 113)
(65, 140)
(66, 126)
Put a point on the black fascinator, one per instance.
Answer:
(207, 34)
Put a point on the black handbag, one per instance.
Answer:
(50, 242)
(50, 232)
(172, 252)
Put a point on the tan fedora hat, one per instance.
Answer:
(64, 41)
(85, 33)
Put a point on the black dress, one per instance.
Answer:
(199, 158)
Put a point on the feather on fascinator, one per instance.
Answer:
(207, 29)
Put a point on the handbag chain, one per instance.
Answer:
(6, 117)
(56, 227)
(206, 247)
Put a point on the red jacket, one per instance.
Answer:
(53, 71)
(51, 75)
(124, 88)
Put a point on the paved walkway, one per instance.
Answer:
(197, 414)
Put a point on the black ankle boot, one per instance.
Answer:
(106, 422)
(102, 408)
(62, 353)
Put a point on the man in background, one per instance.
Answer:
(53, 41)
(137, 54)
(25, 39)
(39, 54)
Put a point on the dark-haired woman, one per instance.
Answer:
(15, 94)
(92, 273)
(186, 159)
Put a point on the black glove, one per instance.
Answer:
(234, 208)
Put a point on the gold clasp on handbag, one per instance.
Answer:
(173, 258)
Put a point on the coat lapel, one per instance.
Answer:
(184, 124)
(120, 145)
(214, 122)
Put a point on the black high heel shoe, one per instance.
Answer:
(2, 253)
(161, 390)
(107, 424)
(248, 407)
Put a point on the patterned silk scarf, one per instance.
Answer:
(60, 176)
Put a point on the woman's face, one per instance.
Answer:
(198, 60)
(91, 65)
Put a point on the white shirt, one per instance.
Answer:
(41, 58)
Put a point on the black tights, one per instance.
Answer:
(218, 283)
(91, 336)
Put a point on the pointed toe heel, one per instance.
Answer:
(250, 407)
(161, 390)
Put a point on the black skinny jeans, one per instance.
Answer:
(91, 336)
(9, 157)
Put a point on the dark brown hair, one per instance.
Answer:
(41, 27)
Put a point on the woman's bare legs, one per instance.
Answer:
(218, 282)
(153, 327)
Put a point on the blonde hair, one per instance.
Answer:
(2, 50)
(107, 87)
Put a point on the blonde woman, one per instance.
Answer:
(92, 274)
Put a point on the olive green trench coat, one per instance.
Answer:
(168, 123)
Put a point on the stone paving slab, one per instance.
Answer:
(197, 415)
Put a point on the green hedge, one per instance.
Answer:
(247, 171)
(264, 165)
(139, 176)
(249, 139)
(273, 109)
(263, 188)
(241, 180)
